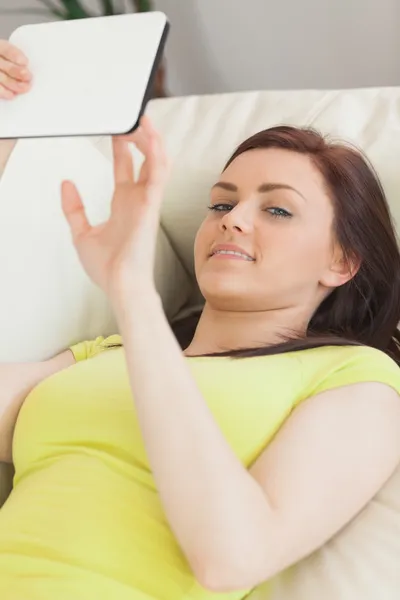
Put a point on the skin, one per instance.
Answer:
(6, 148)
(15, 76)
(255, 522)
(15, 79)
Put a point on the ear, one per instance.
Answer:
(342, 269)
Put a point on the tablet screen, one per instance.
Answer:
(90, 76)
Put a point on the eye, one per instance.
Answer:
(278, 213)
(220, 207)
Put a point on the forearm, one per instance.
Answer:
(214, 506)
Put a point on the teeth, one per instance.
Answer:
(233, 253)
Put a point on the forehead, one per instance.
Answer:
(275, 165)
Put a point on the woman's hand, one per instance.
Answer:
(15, 76)
(118, 255)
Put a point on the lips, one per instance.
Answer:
(231, 250)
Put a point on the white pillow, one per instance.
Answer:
(47, 302)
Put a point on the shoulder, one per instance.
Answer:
(332, 367)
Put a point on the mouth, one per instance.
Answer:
(231, 252)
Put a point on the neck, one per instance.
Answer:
(219, 331)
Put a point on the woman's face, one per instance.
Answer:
(272, 206)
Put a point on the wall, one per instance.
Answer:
(227, 45)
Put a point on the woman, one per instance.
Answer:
(275, 426)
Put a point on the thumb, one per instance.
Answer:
(73, 210)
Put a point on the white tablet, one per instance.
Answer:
(90, 76)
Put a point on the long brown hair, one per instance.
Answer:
(365, 310)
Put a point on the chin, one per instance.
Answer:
(226, 293)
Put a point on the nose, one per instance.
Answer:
(239, 219)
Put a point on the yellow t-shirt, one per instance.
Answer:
(84, 520)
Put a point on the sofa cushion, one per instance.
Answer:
(359, 563)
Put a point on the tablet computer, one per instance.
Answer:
(90, 76)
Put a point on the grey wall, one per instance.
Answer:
(228, 45)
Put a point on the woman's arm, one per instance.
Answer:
(16, 381)
(237, 528)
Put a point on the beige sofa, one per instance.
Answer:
(47, 303)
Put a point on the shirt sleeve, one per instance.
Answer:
(91, 348)
(363, 364)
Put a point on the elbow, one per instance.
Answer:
(218, 583)
(226, 574)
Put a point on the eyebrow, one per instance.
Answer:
(262, 189)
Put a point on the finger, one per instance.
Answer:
(18, 87)
(133, 137)
(12, 53)
(5, 93)
(73, 210)
(156, 155)
(14, 71)
(142, 137)
(123, 161)
(152, 133)
(149, 142)
(141, 140)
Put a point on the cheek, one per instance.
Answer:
(298, 249)
(313, 244)
(202, 242)
(205, 235)
(198, 243)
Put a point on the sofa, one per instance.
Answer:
(48, 303)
